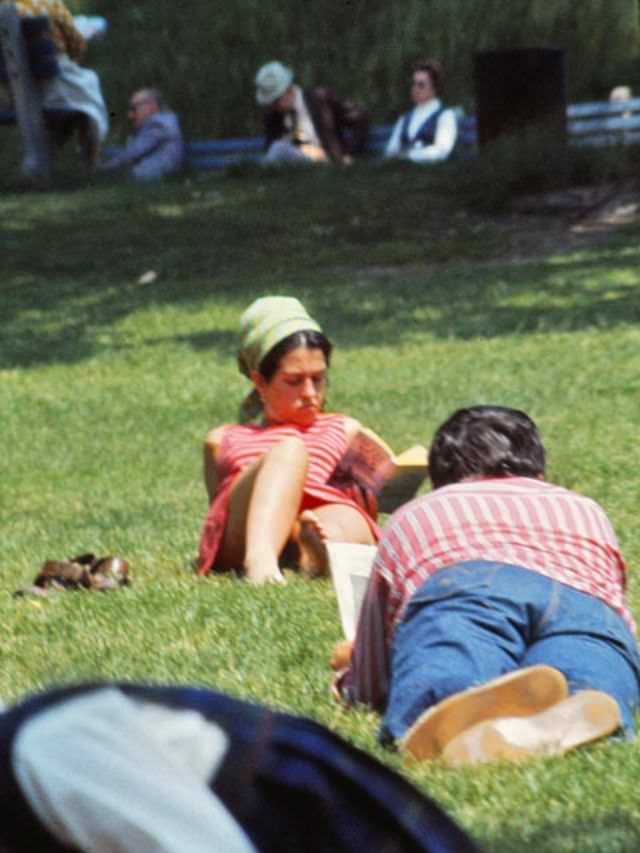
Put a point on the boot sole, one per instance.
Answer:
(517, 694)
(582, 718)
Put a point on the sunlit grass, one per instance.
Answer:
(107, 386)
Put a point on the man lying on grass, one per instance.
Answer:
(495, 624)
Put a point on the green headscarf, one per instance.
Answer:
(265, 323)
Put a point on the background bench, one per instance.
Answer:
(604, 123)
(598, 123)
(28, 57)
(218, 153)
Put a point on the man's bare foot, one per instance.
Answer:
(311, 538)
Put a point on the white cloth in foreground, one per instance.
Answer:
(109, 774)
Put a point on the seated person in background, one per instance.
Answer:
(116, 768)
(156, 148)
(495, 624)
(310, 126)
(74, 87)
(620, 93)
(270, 483)
(428, 132)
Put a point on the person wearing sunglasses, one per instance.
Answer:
(427, 133)
(156, 148)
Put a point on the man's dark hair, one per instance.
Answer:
(434, 70)
(485, 441)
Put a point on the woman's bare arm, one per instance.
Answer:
(353, 427)
(212, 443)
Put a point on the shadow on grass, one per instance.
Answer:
(373, 262)
(61, 324)
(612, 833)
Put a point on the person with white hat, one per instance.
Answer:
(307, 126)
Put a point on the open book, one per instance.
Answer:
(372, 464)
(409, 473)
(350, 569)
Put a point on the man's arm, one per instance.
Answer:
(151, 136)
(366, 679)
(323, 106)
(393, 145)
(445, 138)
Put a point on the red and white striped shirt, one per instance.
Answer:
(326, 443)
(516, 520)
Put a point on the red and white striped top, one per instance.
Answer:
(326, 444)
(325, 441)
(516, 520)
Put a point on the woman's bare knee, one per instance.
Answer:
(291, 448)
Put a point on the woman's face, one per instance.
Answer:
(296, 391)
(422, 88)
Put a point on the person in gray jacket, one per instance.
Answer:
(156, 147)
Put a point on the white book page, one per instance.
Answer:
(350, 569)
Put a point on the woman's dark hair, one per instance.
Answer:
(308, 338)
(485, 441)
(435, 71)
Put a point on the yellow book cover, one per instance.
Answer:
(409, 473)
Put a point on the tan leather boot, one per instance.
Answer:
(517, 694)
(581, 718)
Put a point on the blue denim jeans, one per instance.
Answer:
(477, 620)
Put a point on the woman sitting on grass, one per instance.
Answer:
(269, 483)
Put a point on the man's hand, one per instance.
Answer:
(341, 657)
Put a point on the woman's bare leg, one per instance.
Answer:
(328, 523)
(344, 524)
(263, 506)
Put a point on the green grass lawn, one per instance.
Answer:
(108, 385)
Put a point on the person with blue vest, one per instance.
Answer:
(115, 768)
(428, 132)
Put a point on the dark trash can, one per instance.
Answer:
(519, 89)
